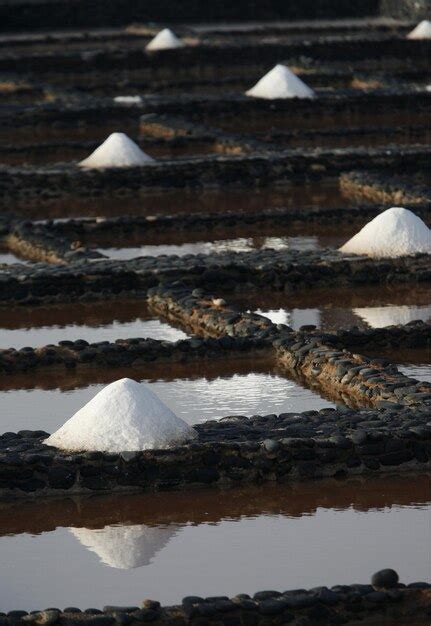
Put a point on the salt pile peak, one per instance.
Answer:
(118, 150)
(124, 416)
(395, 232)
(165, 40)
(421, 31)
(280, 82)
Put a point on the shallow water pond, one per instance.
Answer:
(239, 244)
(325, 193)
(122, 549)
(195, 391)
(39, 326)
(342, 307)
(9, 258)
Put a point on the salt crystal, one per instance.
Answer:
(125, 547)
(165, 40)
(421, 31)
(280, 82)
(395, 232)
(125, 415)
(118, 150)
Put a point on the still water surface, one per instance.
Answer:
(8, 258)
(195, 394)
(97, 321)
(341, 307)
(121, 549)
(324, 193)
(240, 244)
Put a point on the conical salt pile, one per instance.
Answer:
(125, 547)
(395, 232)
(280, 82)
(165, 40)
(421, 31)
(124, 416)
(117, 151)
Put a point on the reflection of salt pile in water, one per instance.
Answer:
(382, 316)
(126, 547)
(117, 151)
(395, 232)
(165, 40)
(125, 415)
(421, 31)
(280, 82)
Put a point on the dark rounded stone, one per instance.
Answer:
(385, 578)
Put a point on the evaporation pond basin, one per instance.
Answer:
(333, 308)
(195, 391)
(120, 549)
(93, 322)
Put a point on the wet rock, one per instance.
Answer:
(385, 578)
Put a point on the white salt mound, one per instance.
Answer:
(280, 82)
(124, 416)
(165, 40)
(421, 31)
(395, 232)
(125, 547)
(128, 99)
(117, 151)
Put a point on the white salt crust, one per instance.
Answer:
(395, 232)
(421, 31)
(125, 547)
(124, 416)
(165, 40)
(280, 82)
(383, 316)
(118, 150)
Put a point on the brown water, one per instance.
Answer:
(405, 137)
(92, 551)
(325, 193)
(39, 326)
(249, 122)
(196, 392)
(414, 362)
(341, 307)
